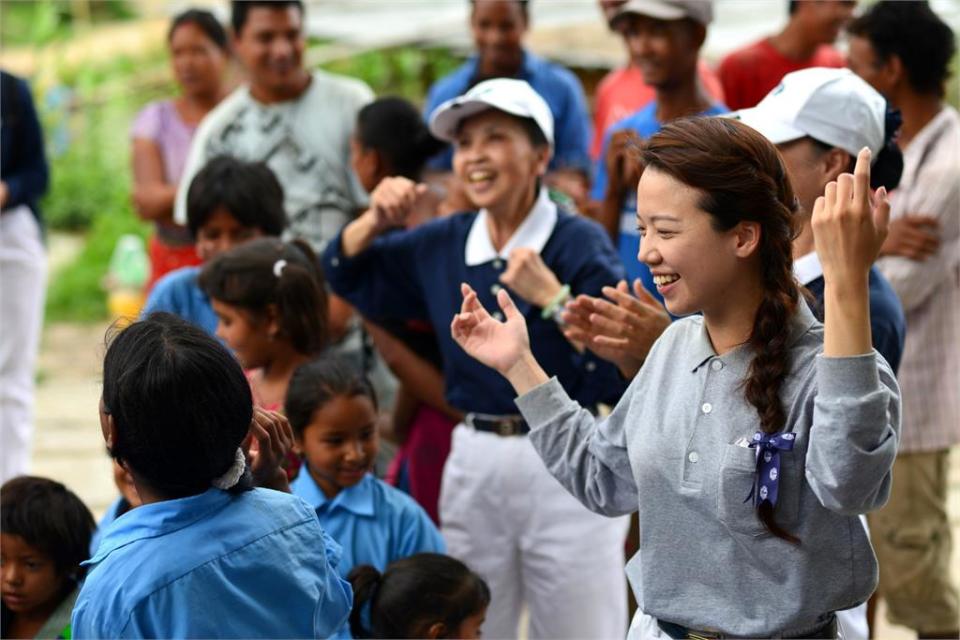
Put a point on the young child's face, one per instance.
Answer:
(30, 577)
(340, 443)
(247, 336)
(222, 232)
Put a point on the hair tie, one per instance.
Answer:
(232, 476)
(278, 267)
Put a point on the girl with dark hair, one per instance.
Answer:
(271, 302)
(751, 430)
(176, 412)
(163, 131)
(333, 410)
(45, 537)
(424, 596)
(391, 139)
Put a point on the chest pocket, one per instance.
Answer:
(736, 480)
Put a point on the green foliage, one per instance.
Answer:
(401, 71)
(42, 22)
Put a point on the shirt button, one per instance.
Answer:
(498, 264)
(694, 457)
(716, 365)
(335, 262)
(591, 365)
(497, 315)
(495, 289)
(707, 407)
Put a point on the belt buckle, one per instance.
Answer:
(506, 428)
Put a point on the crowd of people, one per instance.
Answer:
(714, 326)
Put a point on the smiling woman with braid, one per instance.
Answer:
(752, 433)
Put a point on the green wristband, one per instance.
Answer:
(556, 303)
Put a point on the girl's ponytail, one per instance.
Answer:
(301, 299)
(365, 580)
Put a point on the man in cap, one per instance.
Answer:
(664, 38)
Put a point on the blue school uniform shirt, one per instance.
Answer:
(373, 522)
(178, 293)
(559, 88)
(416, 275)
(117, 508)
(215, 565)
(645, 123)
(888, 324)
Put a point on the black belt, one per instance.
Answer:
(826, 630)
(500, 425)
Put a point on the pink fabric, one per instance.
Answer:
(622, 92)
(424, 453)
(160, 123)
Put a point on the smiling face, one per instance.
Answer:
(251, 338)
(340, 443)
(825, 18)
(665, 51)
(31, 582)
(496, 161)
(695, 267)
(198, 63)
(498, 27)
(270, 45)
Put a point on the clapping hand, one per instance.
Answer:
(394, 199)
(267, 443)
(621, 330)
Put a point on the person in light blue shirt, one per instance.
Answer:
(229, 202)
(333, 411)
(205, 554)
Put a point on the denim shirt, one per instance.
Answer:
(675, 449)
(215, 565)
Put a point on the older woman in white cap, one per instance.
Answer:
(500, 510)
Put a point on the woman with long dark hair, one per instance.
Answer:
(753, 435)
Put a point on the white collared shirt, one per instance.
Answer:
(807, 268)
(532, 233)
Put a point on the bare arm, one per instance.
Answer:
(153, 197)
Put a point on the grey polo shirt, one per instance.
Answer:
(675, 449)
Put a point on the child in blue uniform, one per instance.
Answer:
(205, 555)
(333, 411)
(424, 596)
(46, 534)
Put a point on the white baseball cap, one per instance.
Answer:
(698, 10)
(834, 106)
(515, 97)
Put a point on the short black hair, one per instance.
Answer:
(248, 276)
(413, 594)
(248, 190)
(524, 7)
(911, 31)
(240, 9)
(180, 404)
(316, 383)
(395, 128)
(205, 21)
(51, 518)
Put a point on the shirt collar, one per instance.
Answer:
(808, 268)
(158, 519)
(357, 499)
(702, 349)
(532, 233)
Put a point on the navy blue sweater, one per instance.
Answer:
(416, 275)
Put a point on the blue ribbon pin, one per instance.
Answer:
(766, 480)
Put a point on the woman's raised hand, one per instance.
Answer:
(394, 199)
(849, 226)
(848, 230)
(502, 346)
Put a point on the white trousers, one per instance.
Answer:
(23, 274)
(509, 520)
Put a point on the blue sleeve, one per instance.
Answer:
(417, 534)
(599, 189)
(383, 281)
(437, 94)
(572, 129)
(333, 609)
(162, 297)
(28, 176)
(888, 339)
